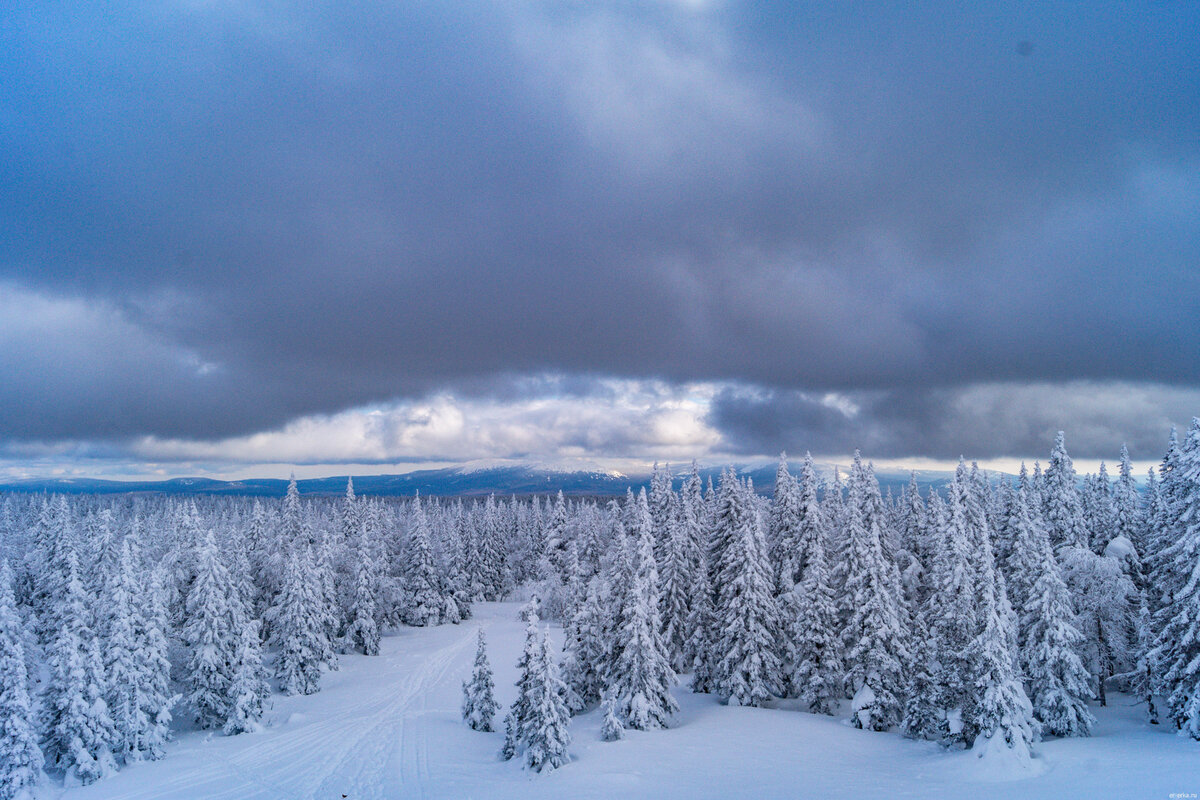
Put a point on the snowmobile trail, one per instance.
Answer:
(365, 738)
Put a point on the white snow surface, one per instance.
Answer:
(1120, 547)
(389, 727)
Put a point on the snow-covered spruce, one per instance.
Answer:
(298, 625)
(746, 669)
(20, 757)
(479, 705)
(136, 661)
(611, 729)
(210, 633)
(1058, 681)
(876, 632)
(810, 622)
(517, 721)
(248, 690)
(642, 678)
(79, 730)
(1176, 653)
(546, 730)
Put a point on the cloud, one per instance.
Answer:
(989, 421)
(621, 419)
(233, 220)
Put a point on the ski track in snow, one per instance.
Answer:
(372, 748)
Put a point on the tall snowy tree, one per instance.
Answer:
(210, 633)
(363, 632)
(479, 704)
(1105, 600)
(678, 582)
(1099, 516)
(954, 612)
(136, 664)
(1061, 504)
(999, 713)
(546, 731)
(700, 653)
(517, 721)
(1029, 539)
(1058, 681)
(558, 539)
(643, 677)
(585, 648)
(80, 731)
(153, 638)
(876, 632)
(923, 716)
(351, 515)
(786, 559)
(298, 626)
(20, 757)
(811, 624)
(1176, 653)
(747, 666)
(248, 689)
(423, 602)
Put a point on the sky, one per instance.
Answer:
(242, 237)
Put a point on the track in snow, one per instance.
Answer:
(362, 736)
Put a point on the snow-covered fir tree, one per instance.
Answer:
(210, 633)
(999, 712)
(546, 732)
(953, 610)
(248, 689)
(423, 602)
(585, 649)
(876, 632)
(1029, 539)
(810, 623)
(642, 679)
(744, 618)
(298, 626)
(611, 729)
(678, 584)
(363, 631)
(1061, 503)
(516, 722)
(1176, 653)
(79, 729)
(136, 663)
(479, 704)
(1050, 642)
(923, 716)
(786, 558)
(20, 757)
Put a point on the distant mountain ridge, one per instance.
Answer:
(468, 481)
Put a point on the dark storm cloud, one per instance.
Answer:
(985, 421)
(256, 211)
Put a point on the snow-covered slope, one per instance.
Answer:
(389, 727)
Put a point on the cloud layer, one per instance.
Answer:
(226, 221)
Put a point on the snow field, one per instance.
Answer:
(389, 727)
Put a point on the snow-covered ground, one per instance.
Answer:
(389, 727)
